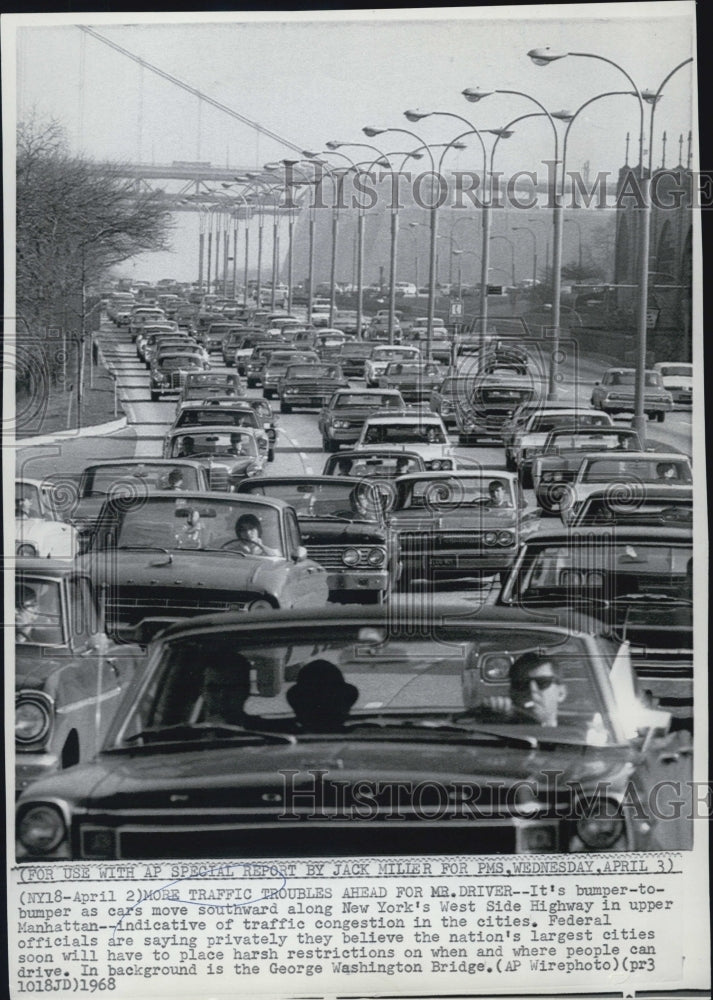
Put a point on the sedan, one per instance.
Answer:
(229, 454)
(341, 420)
(372, 721)
(615, 393)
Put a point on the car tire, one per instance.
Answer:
(271, 455)
(251, 383)
(661, 417)
(155, 396)
(285, 407)
(526, 479)
(329, 446)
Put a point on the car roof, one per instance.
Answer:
(625, 371)
(142, 461)
(368, 392)
(418, 416)
(596, 534)
(192, 430)
(190, 496)
(217, 403)
(461, 474)
(377, 452)
(653, 456)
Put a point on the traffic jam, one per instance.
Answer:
(393, 568)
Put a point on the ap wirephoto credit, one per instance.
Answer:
(353, 393)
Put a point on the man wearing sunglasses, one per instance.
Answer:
(536, 691)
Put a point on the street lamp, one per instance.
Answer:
(545, 56)
(526, 229)
(507, 239)
(459, 254)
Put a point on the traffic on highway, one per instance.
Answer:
(338, 549)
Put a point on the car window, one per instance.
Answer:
(130, 481)
(602, 470)
(404, 434)
(38, 611)
(449, 492)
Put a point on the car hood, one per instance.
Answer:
(210, 776)
(35, 664)
(187, 568)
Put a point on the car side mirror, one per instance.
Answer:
(301, 554)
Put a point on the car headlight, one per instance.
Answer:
(32, 720)
(599, 833)
(340, 423)
(376, 557)
(290, 392)
(41, 829)
(350, 557)
(490, 537)
(505, 538)
(435, 465)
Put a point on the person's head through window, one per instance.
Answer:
(188, 445)
(26, 612)
(23, 508)
(666, 471)
(402, 466)
(226, 688)
(362, 504)
(344, 466)
(536, 689)
(321, 699)
(249, 537)
(175, 479)
(236, 444)
(497, 495)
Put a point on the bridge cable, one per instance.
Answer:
(191, 90)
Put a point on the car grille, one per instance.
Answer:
(330, 557)
(444, 540)
(129, 605)
(309, 388)
(178, 380)
(218, 478)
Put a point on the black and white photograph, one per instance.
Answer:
(352, 397)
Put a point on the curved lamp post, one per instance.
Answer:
(526, 229)
(545, 56)
(499, 236)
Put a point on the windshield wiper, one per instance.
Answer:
(185, 731)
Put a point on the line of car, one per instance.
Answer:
(198, 561)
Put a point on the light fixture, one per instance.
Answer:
(415, 115)
(474, 94)
(543, 57)
(371, 131)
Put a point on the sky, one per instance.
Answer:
(324, 76)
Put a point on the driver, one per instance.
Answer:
(226, 688)
(26, 613)
(321, 699)
(187, 447)
(236, 444)
(23, 508)
(497, 497)
(536, 691)
(249, 537)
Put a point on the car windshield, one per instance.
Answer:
(356, 502)
(38, 616)
(355, 351)
(420, 433)
(498, 394)
(594, 441)
(175, 362)
(641, 511)
(211, 379)
(394, 354)
(202, 445)
(217, 415)
(130, 480)
(683, 371)
(373, 466)
(168, 523)
(283, 362)
(606, 572)
(312, 371)
(544, 424)
(643, 470)
(214, 686)
(628, 378)
(411, 369)
(455, 492)
(369, 400)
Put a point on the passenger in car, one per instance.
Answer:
(175, 480)
(321, 699)
(187, 447)
(249, 537)
(497, 497)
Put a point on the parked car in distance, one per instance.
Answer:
(399, 699)
(343, 529)
(341, 420)
(174, 555)
(677, 378)
(69, 677)
(615, 393)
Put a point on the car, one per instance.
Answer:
(352, 357)
(677, 378)
(622, 473)
(253, 336)
(278, 364)
(228, 453)
(615, 393)
(636, 582)
(645, 504)
(341, 420)
(382, 356)
(342, 528)
(460, 525)
(231, 341)
(173, 555)
(216, 333)
(202, 385)
(441, 342)
(374, 463)
(222, 413)
(169, 372)
(140, 315)
(172, 344)
(258, 361)
(562, 453)
(416, 431)
(130, 477)
(204, 763)
(499, 354)
(309, 385)
(346, 320)
(321, 311)
(488, 402)
(415, 380)
(450, 395)
(149, 331)
(69, 677)
(40, 530)
(529, 440)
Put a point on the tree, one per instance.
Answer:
(76, 219)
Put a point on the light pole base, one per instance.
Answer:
(640, 425)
